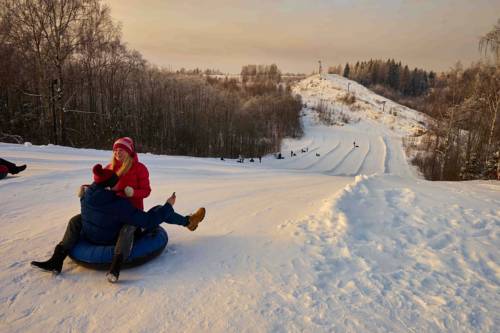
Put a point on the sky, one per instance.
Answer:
(295, 34)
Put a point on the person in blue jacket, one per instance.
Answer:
(108, 219)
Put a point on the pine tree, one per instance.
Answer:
(346, 70)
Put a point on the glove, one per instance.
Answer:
(129, 191)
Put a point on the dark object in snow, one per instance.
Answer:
(147, 247)
(55, 263)
(9, 167)
(251, 160)
(222, 158)
(3, 171)
(317, 154)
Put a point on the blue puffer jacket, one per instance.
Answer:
(104, 213)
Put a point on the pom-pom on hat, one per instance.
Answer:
(104, 177)
(126, 144)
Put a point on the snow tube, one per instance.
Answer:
(3, 171)
(96, 256)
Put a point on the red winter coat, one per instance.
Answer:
(137, 178)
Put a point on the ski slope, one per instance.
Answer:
(351, 240)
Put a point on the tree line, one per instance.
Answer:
(464, 141)
(389, 74)
(67, 78)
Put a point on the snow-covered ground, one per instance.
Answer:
(347, 241)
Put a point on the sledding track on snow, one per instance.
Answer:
(340, 151)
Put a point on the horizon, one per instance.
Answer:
(227, 35)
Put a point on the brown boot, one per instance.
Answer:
(195, 219)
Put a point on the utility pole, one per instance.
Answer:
(320, 70)
(53, 107)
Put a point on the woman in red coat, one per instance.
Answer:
(134, 176)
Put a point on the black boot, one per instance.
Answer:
(55, 263)
(16, 169)
(114, 270)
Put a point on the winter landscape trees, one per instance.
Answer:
(464, 142)
(67, 78)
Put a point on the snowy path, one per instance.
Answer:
(240, 246)
(348, 241)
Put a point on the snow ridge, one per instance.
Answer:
(385, 257)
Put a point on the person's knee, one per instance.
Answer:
(76, 221)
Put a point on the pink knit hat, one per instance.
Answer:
(126, 144)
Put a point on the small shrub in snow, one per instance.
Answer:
(347, 99)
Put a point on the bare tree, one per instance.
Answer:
(491, 42)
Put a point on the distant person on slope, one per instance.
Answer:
(9, 167)
(104, 219)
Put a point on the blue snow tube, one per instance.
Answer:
(145, 248)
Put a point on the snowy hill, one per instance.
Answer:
(368, 107)
(347, 241)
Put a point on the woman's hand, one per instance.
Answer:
(129, 191)
(81, 190)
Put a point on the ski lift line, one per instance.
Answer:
(70, 97)
(77, 111)
(32, 95)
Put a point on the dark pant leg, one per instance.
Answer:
(125, 241)
(174, 218)
(72, 234)
(8, 164)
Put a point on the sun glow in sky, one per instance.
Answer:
(295, 34)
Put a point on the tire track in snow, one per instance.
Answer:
(345, 163)
(363, 161)
(374, 162)
(387, 156)
(291, 161)
(324, 157)
(346, 155)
